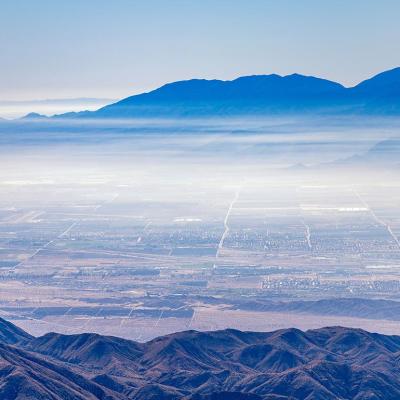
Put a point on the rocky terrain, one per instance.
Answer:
(327, 363)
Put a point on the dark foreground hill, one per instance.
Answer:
(327, 363)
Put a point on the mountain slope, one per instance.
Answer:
(24, 375)
(11, 334)
(384, 85)
(380, 94)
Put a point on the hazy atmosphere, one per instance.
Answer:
(199, 200)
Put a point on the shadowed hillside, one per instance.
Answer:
(327, 363)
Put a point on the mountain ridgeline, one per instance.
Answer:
(327, 363)
(259, 95)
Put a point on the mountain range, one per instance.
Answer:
(386, 152)
(379, 309)
(259, 95)
(327, 363)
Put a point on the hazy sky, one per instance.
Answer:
(104, 48)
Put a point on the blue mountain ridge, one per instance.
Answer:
(259, 95)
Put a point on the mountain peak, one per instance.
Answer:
(33, 115)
